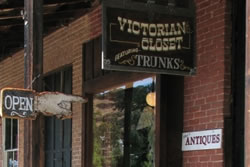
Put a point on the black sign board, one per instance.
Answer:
(17, 103)
(148, 38)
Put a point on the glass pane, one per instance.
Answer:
(124, 126)
(7, 133)
(12, 159)
(11, 136)
(58, 133)
(14, 135)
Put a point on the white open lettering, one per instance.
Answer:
(18, 103)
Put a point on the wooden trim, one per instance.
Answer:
(61, 68)
(169, 120)
(88, 132)
(112, 80)
(157, 121)
(234, 143)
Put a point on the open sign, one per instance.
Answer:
(17, 103)
(26, 103)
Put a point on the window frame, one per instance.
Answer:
(91, 87)
(59, 84)
(6, 151)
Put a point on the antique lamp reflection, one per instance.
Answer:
(150, 99)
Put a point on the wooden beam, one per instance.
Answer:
(33, 55)
(116, 78)
(11, 21)
(19, 5)
(247, 87)
(169, 120)
(10, 5)
(46, 2)
(49, 9)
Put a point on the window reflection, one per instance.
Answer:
(124, 126)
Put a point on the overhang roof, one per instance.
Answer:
(56, 13)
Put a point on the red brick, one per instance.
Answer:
(204, 158)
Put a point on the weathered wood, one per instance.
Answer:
(33, 55)
(56, 103)
(27, 104)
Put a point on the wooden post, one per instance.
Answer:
(127, 126)
(33, 57)
(247, 88)
(169, 120)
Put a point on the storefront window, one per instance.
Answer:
(124, 126)
(10, 144)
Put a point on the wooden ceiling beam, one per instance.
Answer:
(69, 8)
(16, 37)
(19, 5)
(11, 21)
(57, 13)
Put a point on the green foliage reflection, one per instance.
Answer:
(109, 122)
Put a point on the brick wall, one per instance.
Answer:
(207, 95)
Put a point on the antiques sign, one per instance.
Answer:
(148, 41)
(202, 140)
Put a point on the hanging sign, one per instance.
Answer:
(202, 140)
(148, 39)
(17, 103)
(25, 103)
